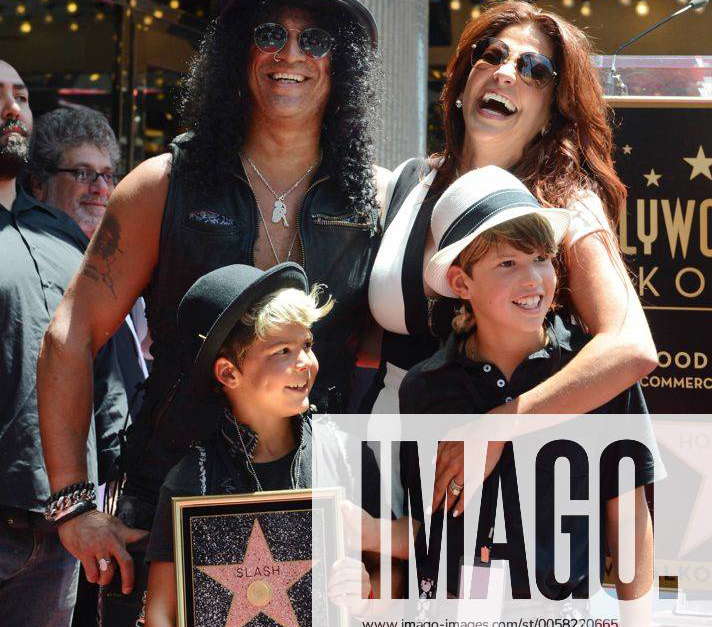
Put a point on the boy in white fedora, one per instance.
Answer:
(495, 253)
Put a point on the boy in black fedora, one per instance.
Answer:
(495, 251)
(246, 336)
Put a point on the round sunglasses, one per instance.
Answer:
(534, 68)
(313, 41)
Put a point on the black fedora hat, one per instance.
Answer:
(214, 304)
(355, 8)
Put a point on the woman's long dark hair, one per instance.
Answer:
(576, 153)
(215, 105)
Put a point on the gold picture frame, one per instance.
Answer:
(239, 556)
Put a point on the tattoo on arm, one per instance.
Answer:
(103, 253)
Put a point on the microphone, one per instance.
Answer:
(614, 83)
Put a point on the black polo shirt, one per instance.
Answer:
(40, 251)
(451, 383)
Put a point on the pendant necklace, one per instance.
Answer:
(264, 223)
(279, 210)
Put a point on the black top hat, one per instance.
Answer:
(355, 8)
(215, 303)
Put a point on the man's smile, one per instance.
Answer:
(289, 78)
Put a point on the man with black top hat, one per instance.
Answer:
(276, 166)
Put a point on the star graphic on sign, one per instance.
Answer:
(627, 149)
(700, 164)
(259, 583)
(677, 437)
(652, 178)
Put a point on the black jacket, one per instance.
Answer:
(223, 465)
(198, 237)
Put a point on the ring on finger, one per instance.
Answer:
(455, 488)
(104, 563)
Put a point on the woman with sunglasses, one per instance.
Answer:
(521, 94)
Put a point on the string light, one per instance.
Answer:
(586, 9)
(642, 8)
(100, 16)
(569, 4)
(48, 19)
(147, 20)
(74, 27)
(94, 77)
(174, 4)
(20, 9)
(158, 14)
(455, 5)
(475, 13)
(72, 7)
(625, 3)
(25, 28)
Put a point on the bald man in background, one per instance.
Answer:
(40, 250)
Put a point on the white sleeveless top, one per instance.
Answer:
(385, 292)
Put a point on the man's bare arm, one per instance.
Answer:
(117, 266)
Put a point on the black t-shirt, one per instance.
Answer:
(184, 480)
(212, 469)
(274, 475)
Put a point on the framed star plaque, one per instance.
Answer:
(258, 559)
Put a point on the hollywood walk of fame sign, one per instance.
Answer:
(664, 157)
(256, 560)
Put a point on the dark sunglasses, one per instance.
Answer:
(534, 68)
(314, 41)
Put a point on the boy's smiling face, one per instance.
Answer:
(509, 290)
(275, 376)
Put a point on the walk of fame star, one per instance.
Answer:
(259, 583)
(652, 178)
(700, 164)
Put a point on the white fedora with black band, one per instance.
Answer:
(473, 204)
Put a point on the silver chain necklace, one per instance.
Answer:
(264, 223)
(294, 478)
(279, 210)
(248, 458)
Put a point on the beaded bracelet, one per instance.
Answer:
(60, 503)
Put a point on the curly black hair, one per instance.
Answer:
(215, 104)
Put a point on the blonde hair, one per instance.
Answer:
(527, 234)
(280, 308)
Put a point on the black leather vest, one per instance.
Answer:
(199, 237)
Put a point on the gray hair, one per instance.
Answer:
(62, 129)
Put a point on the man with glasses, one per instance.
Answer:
(73, 163)
(40, 250)
(277, 165)
(73, 159)
(72, 167)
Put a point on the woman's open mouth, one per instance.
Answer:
(496, 105)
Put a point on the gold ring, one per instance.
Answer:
(455, 488)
